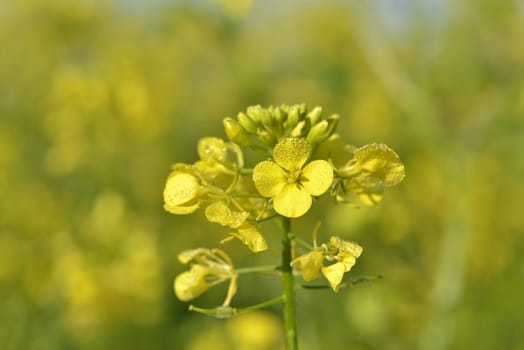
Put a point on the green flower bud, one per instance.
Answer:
(302, 108)
(318, 132)
(293, 116)
(315, 115)
(255, 113)
(267, 137)
(267, 119)
(333, 122)
(300, 130)
(247, 123)
(280, 115)
(235, 132)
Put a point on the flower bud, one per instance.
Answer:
(267, 137)
(300, 130)
(255, 113)
(267, 119)
(280, 115)
(333, 122)
(293, 116)
(315, 115)
(235, 132)
(247, 123)
(318, 132)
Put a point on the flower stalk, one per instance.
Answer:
(288, 287)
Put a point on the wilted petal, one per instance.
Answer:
(317, 176)
(346, 246)
(252, 238)
(220, 213)
(292, 153)
(310, 264)
(191, 254)
(269, 178)
(190, 284)
(334, 274)
(348, 260)
(292, 201)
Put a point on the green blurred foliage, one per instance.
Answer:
(97, 99)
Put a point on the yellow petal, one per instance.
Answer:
(212, 148)
(190, 284)
(182, 210)
(334, 274)
(220, 213)
(187, 255)
(316, 177)
(345, 246)
(370, 198)
(292, 153)
(269, 178)
(292, 201)
(381, 162)
(348, 260)
(310, 264)
(180, 189)
(369, 189)
(252, 238)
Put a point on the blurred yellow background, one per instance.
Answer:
(98, 99)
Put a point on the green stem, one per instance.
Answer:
(288, 286)
(263, 268)
(267, 303)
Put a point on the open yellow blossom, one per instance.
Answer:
(343, 253)
(288, 181)
(246, 231)
(209, 268)
(183, 190)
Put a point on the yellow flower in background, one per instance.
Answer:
(373, 168)
(288, 181)
(247, 232)
(209, 268)
(343, 253)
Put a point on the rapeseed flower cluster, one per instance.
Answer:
(301, 159)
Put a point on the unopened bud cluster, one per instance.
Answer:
(263, 128)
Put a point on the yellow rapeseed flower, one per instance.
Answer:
(288, 181)
(343, 253)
